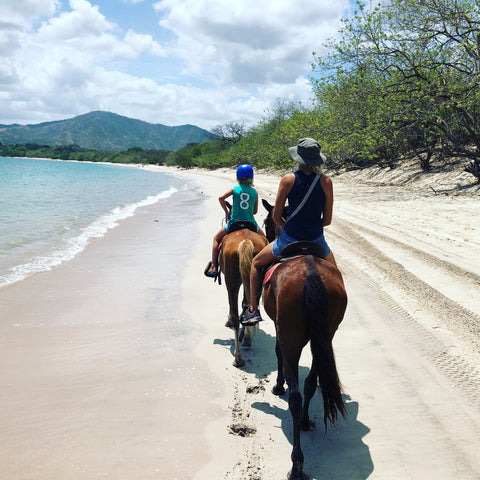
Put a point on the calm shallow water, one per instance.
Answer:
(49, 210)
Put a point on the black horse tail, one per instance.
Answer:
(316, 304)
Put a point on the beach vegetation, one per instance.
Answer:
(400, 83)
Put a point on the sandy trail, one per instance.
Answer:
(407, 351)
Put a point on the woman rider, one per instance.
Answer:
(305, 223)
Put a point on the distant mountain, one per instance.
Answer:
(104, 131)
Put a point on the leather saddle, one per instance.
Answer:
(293, 250)
(242, 225)
(302, 248)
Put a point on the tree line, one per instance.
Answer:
(401, 82)
(74, 152)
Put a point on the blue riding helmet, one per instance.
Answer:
(244, 171)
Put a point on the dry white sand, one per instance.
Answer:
(407, 351)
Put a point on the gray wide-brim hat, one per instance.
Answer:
(308, 152)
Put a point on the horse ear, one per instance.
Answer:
(228, 206)
(267, 206)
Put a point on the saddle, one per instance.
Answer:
(242, 225)
(304, 247)
(293, 250)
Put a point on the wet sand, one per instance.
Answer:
(99, 379)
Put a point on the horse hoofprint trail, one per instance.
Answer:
(408, 349)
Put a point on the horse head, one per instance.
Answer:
(272, 230)
(229, 207)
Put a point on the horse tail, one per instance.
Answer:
(245, 252)
(316, 304)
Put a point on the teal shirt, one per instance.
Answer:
(244, 198)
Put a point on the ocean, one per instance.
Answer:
(50, 210)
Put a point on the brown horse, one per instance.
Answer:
(305, 297)
(235, 261)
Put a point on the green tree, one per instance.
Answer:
(406, 74)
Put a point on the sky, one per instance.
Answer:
(172, 62)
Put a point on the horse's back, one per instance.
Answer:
(229, 253)
(286, 287)
(231, 241)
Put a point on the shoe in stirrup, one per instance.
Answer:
(210, 273)
(251, 318)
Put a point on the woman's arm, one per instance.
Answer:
(286, 184)
(328, 208)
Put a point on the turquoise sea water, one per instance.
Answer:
(49, 210)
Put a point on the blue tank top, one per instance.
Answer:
(307, 223)
(244, 198)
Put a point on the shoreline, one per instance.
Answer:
(97, 364)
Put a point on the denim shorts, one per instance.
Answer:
(283, 240)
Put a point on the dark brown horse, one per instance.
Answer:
(235, 261)
(305, 297)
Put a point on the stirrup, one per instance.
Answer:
(210, 273)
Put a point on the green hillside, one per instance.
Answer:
(104, 131)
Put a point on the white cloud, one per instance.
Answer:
(141, 43)
(208, 62)
(21, 13)
(249, 42)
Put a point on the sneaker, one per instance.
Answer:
(251, 318)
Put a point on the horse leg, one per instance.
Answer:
(247, 337)
(279, 389)
(232, 292)
(295, 406)
(308, 392)
(235, 323)
(247, 331)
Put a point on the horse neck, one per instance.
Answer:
(272, 230)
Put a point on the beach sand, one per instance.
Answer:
(98, 375)
(91, 388)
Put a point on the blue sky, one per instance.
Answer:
(202, 62)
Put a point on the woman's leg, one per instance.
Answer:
(264, 257)
(330, 258)
(323, 243)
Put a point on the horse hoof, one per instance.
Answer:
(229, 324)
(297, 476)
(247, 342)
(307, 426)
(276, 390)
(238, 363)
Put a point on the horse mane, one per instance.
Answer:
(245, 253)
(316, 304)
